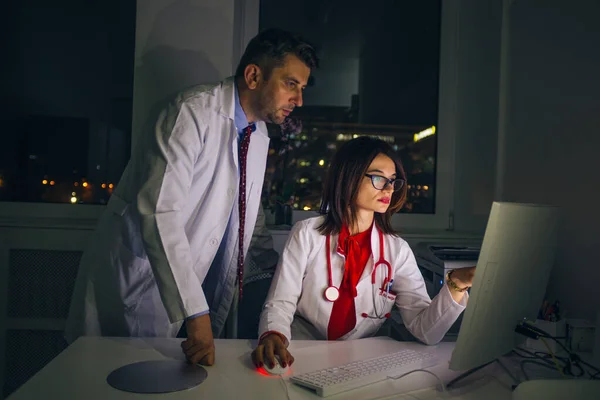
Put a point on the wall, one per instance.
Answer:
(476, 95)
(552, 134)
(179, 43)
(527, 131)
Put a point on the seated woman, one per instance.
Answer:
(340, 274)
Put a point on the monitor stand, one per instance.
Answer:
(472, 370)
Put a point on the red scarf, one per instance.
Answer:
(357, 250)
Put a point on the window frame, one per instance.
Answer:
(443, 217)
(247, 13)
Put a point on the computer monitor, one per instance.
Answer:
(510, 281)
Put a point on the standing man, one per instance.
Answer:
(170, 246)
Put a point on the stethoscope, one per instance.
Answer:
(332, 293)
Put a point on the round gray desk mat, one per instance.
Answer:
(157, 376)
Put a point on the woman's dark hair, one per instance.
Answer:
(344, 177)
(269, 48)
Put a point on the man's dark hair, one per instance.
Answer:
(346, 172)
(269, 48)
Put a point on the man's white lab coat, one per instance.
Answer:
(143, 273)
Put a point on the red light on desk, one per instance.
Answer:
(264, 372)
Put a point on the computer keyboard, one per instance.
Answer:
(329, 381)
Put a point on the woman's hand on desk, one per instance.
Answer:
(200, 345)
(270, 346)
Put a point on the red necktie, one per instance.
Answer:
(242, 203)
(357, 251)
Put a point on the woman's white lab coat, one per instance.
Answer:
(144, 270)
(296, 306)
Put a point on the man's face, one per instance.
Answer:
(282, 92)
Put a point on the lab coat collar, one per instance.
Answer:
(227, 108)
(240, 119)
(374, 251)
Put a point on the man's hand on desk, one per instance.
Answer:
(266, 350)
(200, 345)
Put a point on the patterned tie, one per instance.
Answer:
(242, 203)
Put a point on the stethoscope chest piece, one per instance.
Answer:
(332, 293)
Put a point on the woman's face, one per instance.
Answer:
(369, 198)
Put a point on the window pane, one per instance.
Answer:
(378, 76)
(68, 95)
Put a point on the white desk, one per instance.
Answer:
(80, 372)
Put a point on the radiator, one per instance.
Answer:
(40, 285)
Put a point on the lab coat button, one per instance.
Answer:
(231, 192)
(214, 242)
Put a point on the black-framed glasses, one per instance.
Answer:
(381, 182)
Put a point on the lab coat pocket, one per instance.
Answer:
(384, 302)
(121, 270)
(127, 226)
(369, 325)
(119, 286)
(133, 276)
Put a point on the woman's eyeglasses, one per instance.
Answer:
(381, 182)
